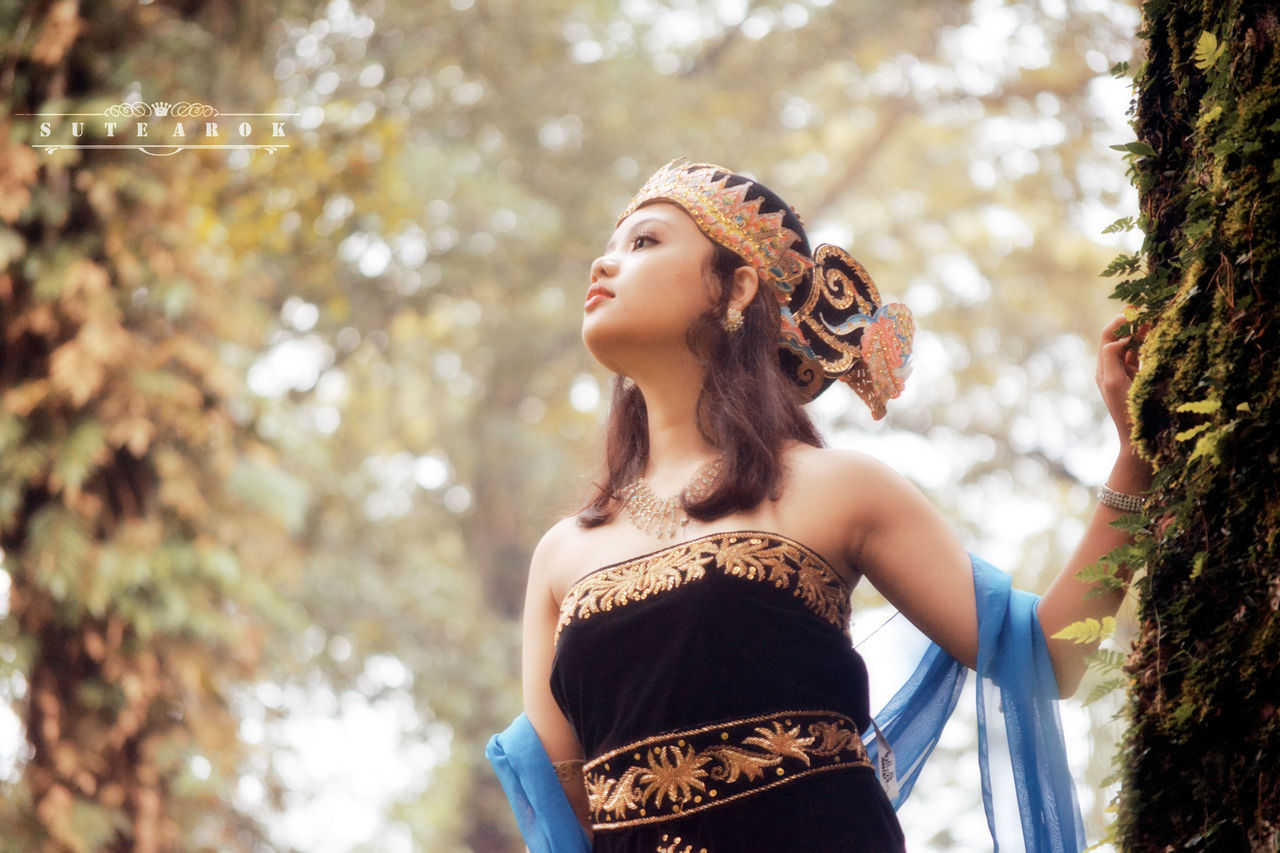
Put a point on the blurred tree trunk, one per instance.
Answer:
(138, 558)
(1203, 749)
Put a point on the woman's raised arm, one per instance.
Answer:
(907, 551)
(1065, 602)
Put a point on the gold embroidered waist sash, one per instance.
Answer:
(674, 774)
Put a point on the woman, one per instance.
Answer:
(686, 665)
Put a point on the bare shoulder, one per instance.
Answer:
(556, 545)
(559, 557)
(850, 481)
(835, 499)
(847, 461)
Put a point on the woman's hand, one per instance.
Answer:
(1117, 365)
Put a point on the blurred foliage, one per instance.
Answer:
(1207, 656)
(144, 568)
(387, 312)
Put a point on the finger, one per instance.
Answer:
(1115, 349)
(1114, 363)
(1109, 331)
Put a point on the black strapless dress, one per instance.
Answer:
(718, 700)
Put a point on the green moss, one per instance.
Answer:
(1203, 745)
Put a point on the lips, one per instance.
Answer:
(596, 294)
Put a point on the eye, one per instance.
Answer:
(642, 240)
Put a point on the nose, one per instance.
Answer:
(603, 267)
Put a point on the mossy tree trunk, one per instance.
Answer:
(1202, 755)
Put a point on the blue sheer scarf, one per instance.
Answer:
(542, 810)
(1016, 684)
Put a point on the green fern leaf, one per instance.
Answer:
(1207, 51)
(1106, 661)
(1104, 689)
(1088, 630)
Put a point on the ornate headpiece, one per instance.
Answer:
(833, 323)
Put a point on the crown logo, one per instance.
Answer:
(161, 108)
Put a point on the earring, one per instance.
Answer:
(732, 320)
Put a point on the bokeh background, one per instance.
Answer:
(345, 384)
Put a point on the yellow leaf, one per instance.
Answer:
(74, 372)
(19, 167)
(1207, 445)
(133, 432)
(23, 399)
(105, 339)
(1198, 563)
(1191, 433)
(1203, 407)
(12, 248)
(180, 486)
(1088, 630)
(1207, 50)
(84, 278)
(1209, 116)
(59, 29)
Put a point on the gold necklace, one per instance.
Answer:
(665, 517)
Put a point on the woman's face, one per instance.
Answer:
(647, 288)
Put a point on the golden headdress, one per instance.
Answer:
(834, 325)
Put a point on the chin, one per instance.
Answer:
(599, 347)
(608, 346)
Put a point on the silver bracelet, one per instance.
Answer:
(1122, 501)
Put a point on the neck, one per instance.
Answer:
(677, 448)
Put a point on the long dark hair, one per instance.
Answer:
(747, 410)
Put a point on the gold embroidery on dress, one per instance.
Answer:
(765, 557)
(673, 846)
(674, 774)
(784, 563)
